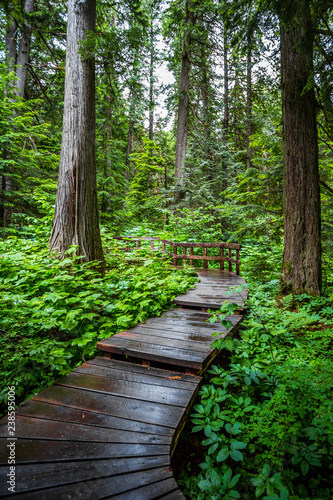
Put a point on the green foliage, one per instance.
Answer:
(27, 151)
(267, 415)
(53, 312)
(144, 195)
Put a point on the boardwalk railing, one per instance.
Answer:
(225, 251)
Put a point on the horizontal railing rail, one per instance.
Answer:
(205, 258)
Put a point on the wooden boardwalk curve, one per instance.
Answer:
(109, 428)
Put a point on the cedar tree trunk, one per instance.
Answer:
(151, 82)
(226, 88)
(248, 103)
(302, 237)
(181, 142)
(24, 49)
(76, 214)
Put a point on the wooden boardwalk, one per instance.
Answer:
(109, 428)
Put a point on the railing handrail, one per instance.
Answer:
(191, 245)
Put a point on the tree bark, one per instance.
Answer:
(183, 102)
(236, 103)
(130, 138)
(151, 81)
(11, 39)
(302, 234)
(76, 213)
(226, 88)
(248, 103)
(24, 49)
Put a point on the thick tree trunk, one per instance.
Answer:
(302, 235)
(76, 213)
(183, 102)
(248, 104)
(24, 49)
(226, 88)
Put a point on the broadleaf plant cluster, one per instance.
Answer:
(266, 415)
(53, 312)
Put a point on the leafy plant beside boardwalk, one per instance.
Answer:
(52, 312)
(265, 416)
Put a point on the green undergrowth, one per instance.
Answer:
(266, 416)
(52, 312)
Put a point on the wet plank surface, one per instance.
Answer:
(107, 429)
(106, 419)
(180, 337)
(214, 288)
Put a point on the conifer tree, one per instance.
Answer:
(76, 213)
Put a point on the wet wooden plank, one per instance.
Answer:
(206, 300)
(153, 337)
(153, 491)
(182, 333)
(194, 325)
(49, 411)
(150, 413)
(41, 475)
(190, 313)
(163, 354)
(175, 495)
(41, 450)
(217, 292)
(99, 488)
(128, 389)
(211, 274)
(37, 428)
(146, 378)
(134, 370)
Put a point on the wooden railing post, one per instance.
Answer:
(152, 246)
(174, 255)
(184, 255)
(229, 263)
(222, 257)
(137, 243)
(191, 253)
(237, 264)
(205, 261)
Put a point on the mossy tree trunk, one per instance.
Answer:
(302, 236)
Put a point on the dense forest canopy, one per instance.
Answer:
(234, 143)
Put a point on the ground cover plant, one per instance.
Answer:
(53, 312)
(266, 416)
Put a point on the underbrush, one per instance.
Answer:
(266, 417)
(53, 312)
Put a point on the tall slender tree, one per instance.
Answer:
(248, 101)
(76, 213)
(183, 103)
(24, 48)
